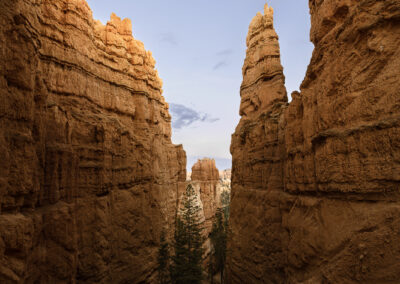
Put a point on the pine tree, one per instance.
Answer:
(186, 264)
(162, 260)
(226, 200)
(211, 266)
(218, 238)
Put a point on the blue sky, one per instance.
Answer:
(199, 47)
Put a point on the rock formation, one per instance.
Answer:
(205, 170)
(315, 183)
(88, 174)
(257, 159)
(225, 174)
(209, 183)
(205, 179)
(225, 180)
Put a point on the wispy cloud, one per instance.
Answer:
(223, 58)
(183, 116)
(220, 64)
(168, 38)
(224, 52)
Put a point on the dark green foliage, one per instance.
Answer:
(211, 268)
(162, 260)
(226, 200)
(218, 236)
(186, 264)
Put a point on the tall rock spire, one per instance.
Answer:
(315, 184)
(263, 79)
(256, 156)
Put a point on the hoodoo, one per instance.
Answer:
(257, 151)
(315, 183)
(88, 174)
(205, 179)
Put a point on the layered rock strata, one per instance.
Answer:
(205, 179)
(315, 184)
(88, 174)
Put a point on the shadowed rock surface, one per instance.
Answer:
(315, 183)
(88, 174)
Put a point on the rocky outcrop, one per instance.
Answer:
(225, 174)
(315, 183)
(205, 179)
(89, 176)
(257, 152)
(209, 183)
(225, 180)
(205, 170)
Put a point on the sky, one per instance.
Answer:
(199, 47)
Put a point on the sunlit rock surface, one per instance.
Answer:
(315, 183)
(205, 178)
(88, 174)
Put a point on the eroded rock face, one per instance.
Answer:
(205, 179)
(89, 176)
(257, 152)
(315, 184)
(225, 180)
(205, 170)
(209, 183)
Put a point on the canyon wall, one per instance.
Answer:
(88, 174)
(315, 183)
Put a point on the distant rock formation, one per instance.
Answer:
(315, 183)
(205, 178)
(225, 180)
(209, 183)
(88, 174)
(205, 170)
(225, 174)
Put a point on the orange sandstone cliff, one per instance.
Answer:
(88, 174)
(315, 183)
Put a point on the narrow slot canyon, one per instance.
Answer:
(93, 188)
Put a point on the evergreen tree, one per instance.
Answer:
(226, 200)
(162, 260)
(218, 238)
(186, 264)
(211, 266)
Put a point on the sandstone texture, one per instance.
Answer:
(205, 179)
(209, 183)
(316, 183)
(205, 170)
(88, 174)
